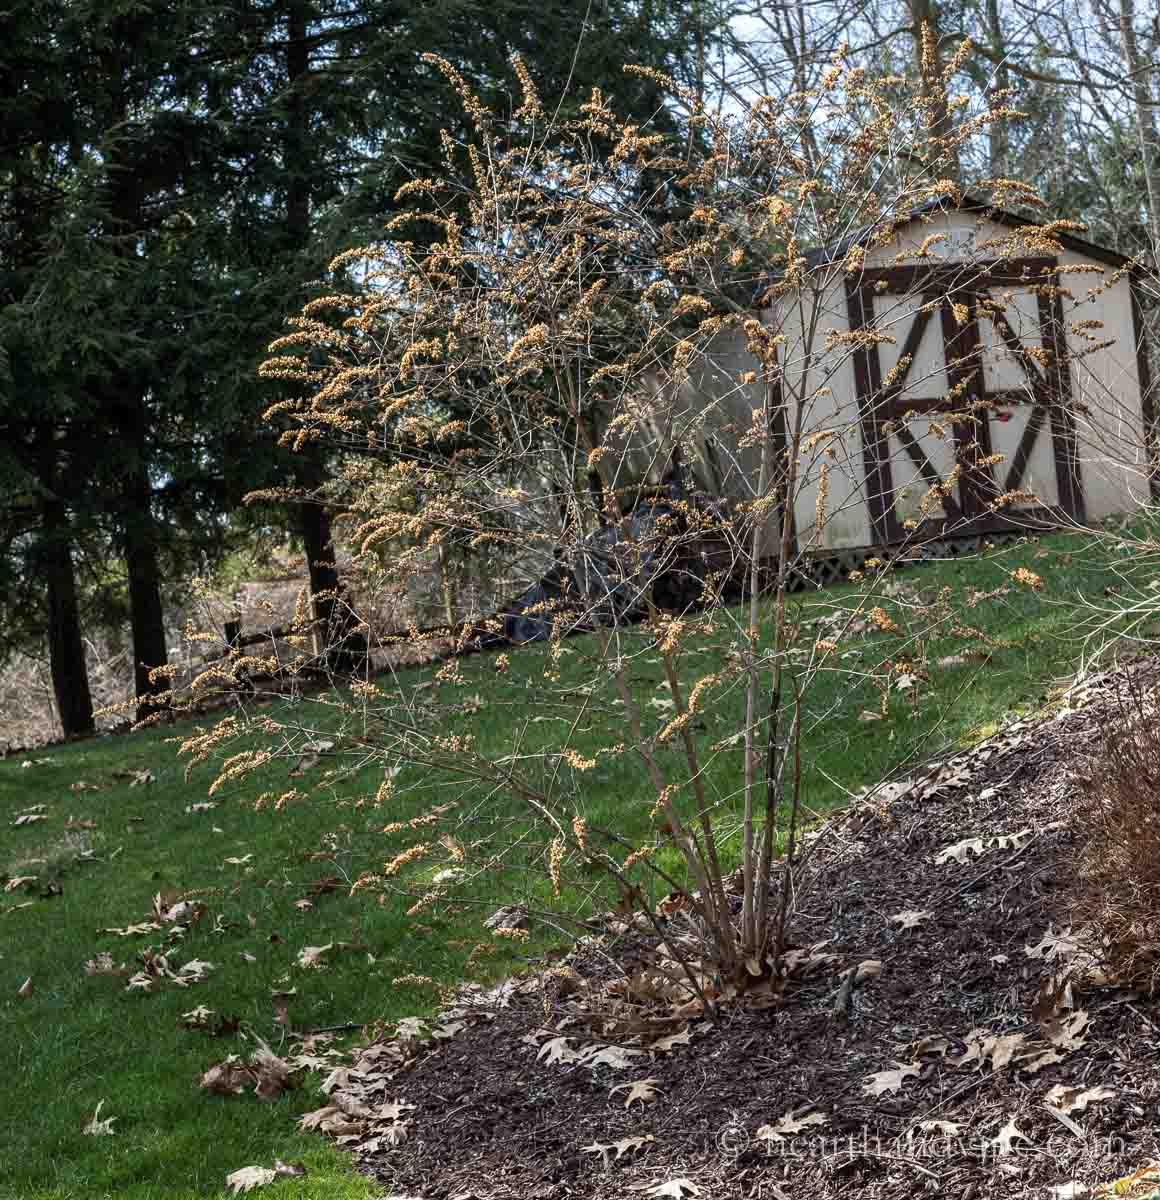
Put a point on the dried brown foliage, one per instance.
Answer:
(1118, 818)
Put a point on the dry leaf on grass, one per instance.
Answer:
(789, 1125)
(19, 881)
(25, 989)
(230, 1077)
(247, 1178)
(98, 1127)
(311, 956)
(331, 1120)
(29, 818)
(238, 862)
(103, 964)
(273, 1075)
(1005, 1138)
(882, 1082)
(643, 1091)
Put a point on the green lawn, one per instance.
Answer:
(78, 1039)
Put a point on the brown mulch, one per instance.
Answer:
(492, 1120)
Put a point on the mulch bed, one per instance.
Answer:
(492, 1120)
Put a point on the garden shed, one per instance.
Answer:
(974, 374)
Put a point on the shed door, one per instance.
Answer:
(973, 375)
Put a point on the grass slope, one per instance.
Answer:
(77, 1040)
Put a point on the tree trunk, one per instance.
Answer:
(1145, 120)
(340, 649)
(997, 132)
(945, 161)
(66, 650)
(146, 613)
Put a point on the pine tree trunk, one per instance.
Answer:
(997, 132)
(340, 649)
(146, 613)
(1137, 71)
(70, 677)
(924, 14)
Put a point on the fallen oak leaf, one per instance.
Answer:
(397, 1133)
(103, 964)
(1005, 1138)
(1068, 1033)
(882, 1082)
(604, 1149)
(1039, 1061)
(310, 957)
(1001, 1050)
(789, 1125)
(245, 1179)
(19, 881)
(272, 1075)
(678, 1189)
(230, 1077)
(557, 1050)
(960, 852)
(665, 1044)
(643, 1091)
(25, 989)
(911, 918)
(616, 1057)
(1069, 1100)
(29, 818)
(392, 1111)
(1053, 945)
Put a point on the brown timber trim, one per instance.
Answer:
(961, 346)
(1063, 437)
(1048, 393)
(1144, 379)
(875, 459)
(943, 277)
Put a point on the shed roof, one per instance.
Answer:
(973, 204)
